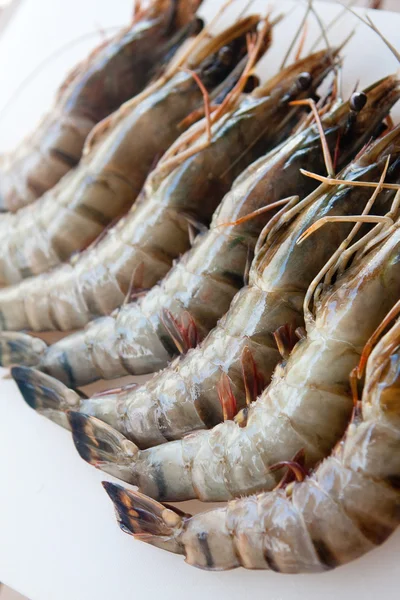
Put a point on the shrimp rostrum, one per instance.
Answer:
(114, 72)
(156, 231)
(137, 338)
(348, 506)
(240, 352)
(68, 218)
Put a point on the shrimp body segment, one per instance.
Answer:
(347, 507)
(116, 71)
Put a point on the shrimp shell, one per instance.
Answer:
(114, 72)
(347, 507)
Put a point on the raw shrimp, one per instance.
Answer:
(106, 183)
(184, 397)
(156, 232)
(347, 507)
(202, 284)
(113, 73)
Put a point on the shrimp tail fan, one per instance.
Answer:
(20, 349)
(103, 446)
(46, 395)
(146, 519)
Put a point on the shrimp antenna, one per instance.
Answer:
(325, 147)
(297, 34)
(369, 23)
(392, 314)
(354, 183)
(245, 9)
(332, 23)
(331, 265)
(206, 98)
(322, 27)
(301, 42)
(258, 212)
(370, 240)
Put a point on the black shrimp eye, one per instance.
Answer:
(252, 82)
(225, 55)
(198, 25)
(304, 81)
(357, 101)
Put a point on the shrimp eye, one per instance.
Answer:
(225, 55)
(198, 25)
(252, 82)
(304, 81)
(357, 101)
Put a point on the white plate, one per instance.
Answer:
(59, 537)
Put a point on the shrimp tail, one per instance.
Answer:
(103, 446)
(146, 519)
(20, 349)
(46, 395)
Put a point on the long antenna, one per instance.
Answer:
(332, 23)
(292, 43)
(369, 23)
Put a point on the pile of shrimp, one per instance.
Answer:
(264, 292)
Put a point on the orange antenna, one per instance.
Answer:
(325, 148)
(206, 98)
(392, 314)
(355, 183)
(258, 212)
(301, 42)
(332, 262)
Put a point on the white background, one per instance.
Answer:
(58, 536)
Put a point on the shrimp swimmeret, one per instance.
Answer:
(347, 507)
